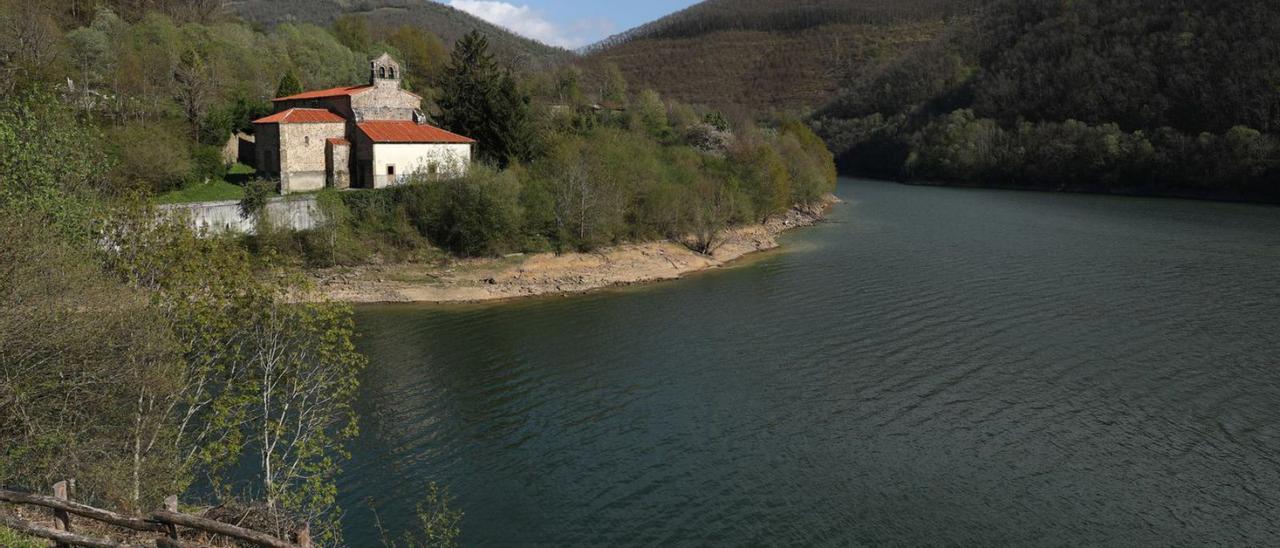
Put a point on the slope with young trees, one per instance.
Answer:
(772, 55)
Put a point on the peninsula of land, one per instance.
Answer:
(519, 276)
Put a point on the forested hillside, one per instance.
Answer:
(772, 55)
(446, 22)
(1136, 96)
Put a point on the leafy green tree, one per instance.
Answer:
(424, 56)
(438, 523)
(651, 115)
(476, 215)
(50, 163)
(353, 31)
(614, 86)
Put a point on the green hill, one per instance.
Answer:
(762, 55)
(446, 22)
(1172, 97)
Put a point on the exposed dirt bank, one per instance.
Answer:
(476, 280)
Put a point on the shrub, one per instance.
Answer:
(476, 215)
(150, 156)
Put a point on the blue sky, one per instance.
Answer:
(568, 23)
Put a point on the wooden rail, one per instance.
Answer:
(164, 521)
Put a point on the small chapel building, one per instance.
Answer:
(366, 136)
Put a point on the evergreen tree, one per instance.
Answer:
(484, 102)
(289, 85)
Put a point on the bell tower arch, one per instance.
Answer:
(384, 72)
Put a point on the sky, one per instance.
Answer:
(569, 23)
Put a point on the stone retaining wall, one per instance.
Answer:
(296, 213)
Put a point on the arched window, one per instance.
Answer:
(382, 72)
(392, 72)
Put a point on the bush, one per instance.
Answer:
(477, 215)
(207, 164)
(150, 156)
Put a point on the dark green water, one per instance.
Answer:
(931, 367)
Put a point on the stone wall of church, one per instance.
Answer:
(303, 160)
(386, 103)
(339, 165)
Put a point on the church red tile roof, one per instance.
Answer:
(409, 132)
(326, 93)
(339, 141)
(301, 116)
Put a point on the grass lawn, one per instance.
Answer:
(212, 191)
(14, 539)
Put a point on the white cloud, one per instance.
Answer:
(526, 21)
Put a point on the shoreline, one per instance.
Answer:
(462, 281)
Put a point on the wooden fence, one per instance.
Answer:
(163, 522)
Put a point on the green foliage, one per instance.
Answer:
(439, 19)
(717, 120)
(50, 164)
(78, 353)
(320, 59)
(438, 523)
(476, 215)
(422, 54)
(482, 101)
(651, 115)
(352, 31)
(207, 163)
(614, 87)
(14, 539)
(1075, 155)
(152, 157)
(289, 85)
(262, 381)
(1137, 96)
(256, 195)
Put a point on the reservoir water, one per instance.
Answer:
(932, 366)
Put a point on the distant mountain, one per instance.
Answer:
(763, 55)
(448, 23)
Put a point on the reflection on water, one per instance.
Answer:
(933, 366)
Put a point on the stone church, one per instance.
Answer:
(366, 136)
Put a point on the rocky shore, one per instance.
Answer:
(478, 280)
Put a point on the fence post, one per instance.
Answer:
(304, 536)
(171, 505)
(61, 519)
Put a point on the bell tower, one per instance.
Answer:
(384, 72)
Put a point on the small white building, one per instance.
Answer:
(395, 149)
(367, 136)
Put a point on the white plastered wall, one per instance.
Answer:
(450, 160)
